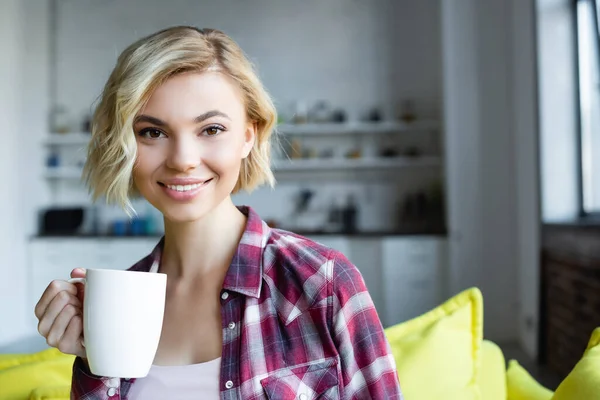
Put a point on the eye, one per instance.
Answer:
(151, 133)
(213, 130)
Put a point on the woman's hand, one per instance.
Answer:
(60, 312)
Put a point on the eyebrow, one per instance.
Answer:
(200, 118)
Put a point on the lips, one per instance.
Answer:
(184, 190)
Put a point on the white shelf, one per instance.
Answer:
(76, 139)
(324, 129)
(358, 128)
(356, 164)
(325, 164)
(63, 173)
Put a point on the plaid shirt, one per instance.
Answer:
(297, 319)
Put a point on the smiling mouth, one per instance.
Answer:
(185, 188)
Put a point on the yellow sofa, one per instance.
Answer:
(440, 355)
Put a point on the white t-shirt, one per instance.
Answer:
(195, 381)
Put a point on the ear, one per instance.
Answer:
(249, 139)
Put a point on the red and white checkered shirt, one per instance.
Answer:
(304, 326)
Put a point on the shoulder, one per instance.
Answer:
(292, 259)
(285, 246)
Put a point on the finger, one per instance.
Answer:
(71, 341)
(60, 325)
(56, 306)
(55, 287)
(79, 273)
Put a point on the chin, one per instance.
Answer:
(184, 213)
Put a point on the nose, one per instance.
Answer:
(185, 154)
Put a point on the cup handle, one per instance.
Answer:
(78, 280)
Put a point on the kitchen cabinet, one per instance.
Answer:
(413, 271)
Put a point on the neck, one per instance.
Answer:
(203, 247)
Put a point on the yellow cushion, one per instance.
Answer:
(493, 372)
(522, 386)
(584, 380)
(11, 360)
(438, 354)
(22, 374)
(51, 393)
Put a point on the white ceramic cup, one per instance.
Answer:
(122, 320)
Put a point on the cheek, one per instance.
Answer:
(225, 157)
(142, 167)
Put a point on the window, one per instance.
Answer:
(588, 47)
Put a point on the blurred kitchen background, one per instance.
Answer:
(440, 144)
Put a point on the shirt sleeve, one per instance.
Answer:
(87, 386)
(368, 368)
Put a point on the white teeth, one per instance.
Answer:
(184, 188)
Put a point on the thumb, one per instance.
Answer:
(78, 273)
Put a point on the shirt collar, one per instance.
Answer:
(245, 272)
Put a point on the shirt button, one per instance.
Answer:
(111, 392)
(303, 396)
(224, 295)
(231, 325)
(228, 384)
(113, 382)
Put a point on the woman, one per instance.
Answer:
(251, 312)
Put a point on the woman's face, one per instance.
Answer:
(191, 138)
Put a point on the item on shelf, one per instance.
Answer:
(389, 152)
(335, 216)
(300, 113)
(119, 228)
(61, 221)
(414, 208)
(424, 209)
(60, 120)
(139, 227)
(302, 200)
(350, 215)
(320, 113)
(354, 154)
(412, 151)
(86, 125)
(339, 116)
(309, 153)
(326, 153)
(53, 160)
(296, 149)
(436, 212)
(407, 111)
(374, 115)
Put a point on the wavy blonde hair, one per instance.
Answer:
(140, 69)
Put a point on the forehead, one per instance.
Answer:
(189, 94)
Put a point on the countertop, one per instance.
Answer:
(366, 234)
(585, 222)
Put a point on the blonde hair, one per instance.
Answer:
(140, 69)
